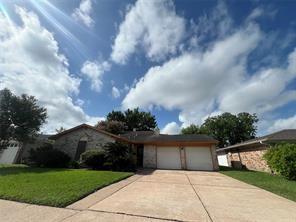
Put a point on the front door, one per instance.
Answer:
(140, 151)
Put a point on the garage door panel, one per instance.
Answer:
(198, 158)
(168, 158)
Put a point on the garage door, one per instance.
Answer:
(198, 158)
(168, 158)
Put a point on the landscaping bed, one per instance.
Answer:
(273, 183)
(52, 187)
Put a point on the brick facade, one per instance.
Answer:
(251, 158)
(149, 157)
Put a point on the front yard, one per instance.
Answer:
(272, 183)
(52, 187)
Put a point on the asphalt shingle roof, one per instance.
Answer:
(287, 135)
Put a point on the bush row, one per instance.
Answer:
(114, 156)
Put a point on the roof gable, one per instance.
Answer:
(86, 126)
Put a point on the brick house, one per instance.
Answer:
(151, 149)
(249, 154)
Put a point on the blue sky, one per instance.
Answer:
(181, 60)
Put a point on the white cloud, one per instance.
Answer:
(216, 79)
(30, 63)
(94, 71)
(216, 24)
(115, 92)
(152, 25)
(194, 81)
(171, 128)
(279, 124)
(82, 14)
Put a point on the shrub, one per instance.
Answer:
(281, 158)
(119, 157)
(74, 164)
(94, 159)
(47, 156)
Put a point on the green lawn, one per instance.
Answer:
(272, 183)
(52, 187)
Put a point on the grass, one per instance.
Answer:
(273, 183)
(52, 187)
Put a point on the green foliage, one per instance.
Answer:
(20, 117)
(227, 128)
(192, 129)
(230, 129)
(111, 126)
(60, 130)
(74, 164)
(116, 116)
(134, 119)
(119, 157)
(282, 159)
(47, 156)
(94, 159)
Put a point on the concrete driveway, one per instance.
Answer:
(164, 195)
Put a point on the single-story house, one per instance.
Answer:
(250, 153)
(16, 152)
(151, 149)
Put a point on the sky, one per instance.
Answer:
(181, 60)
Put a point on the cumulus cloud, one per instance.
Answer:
(115, 92)
(171, 128)
(285, 123)
(94, 72)
(152, 25)
(82, 13)
(30, 62)
(195, 79)
(216, 79)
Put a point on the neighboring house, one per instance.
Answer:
(16, 152)
(151, 150)
(250, 153)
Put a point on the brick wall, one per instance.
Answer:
(149, 157)
(251, 158)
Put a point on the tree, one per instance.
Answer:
(60, 130)
(134, 119)
(192, 129)
(230, 129)
(116, 116)
(111, 126)
(20, 117)
(119, 156)
(139, 120)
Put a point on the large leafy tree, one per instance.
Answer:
(111, 126)
(133, 119)
(20, 117)
(192, 129)
(116, 116)
(227, 128)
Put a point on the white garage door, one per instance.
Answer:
(168, 158)
(198, 158)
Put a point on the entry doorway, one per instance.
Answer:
(140, 152)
